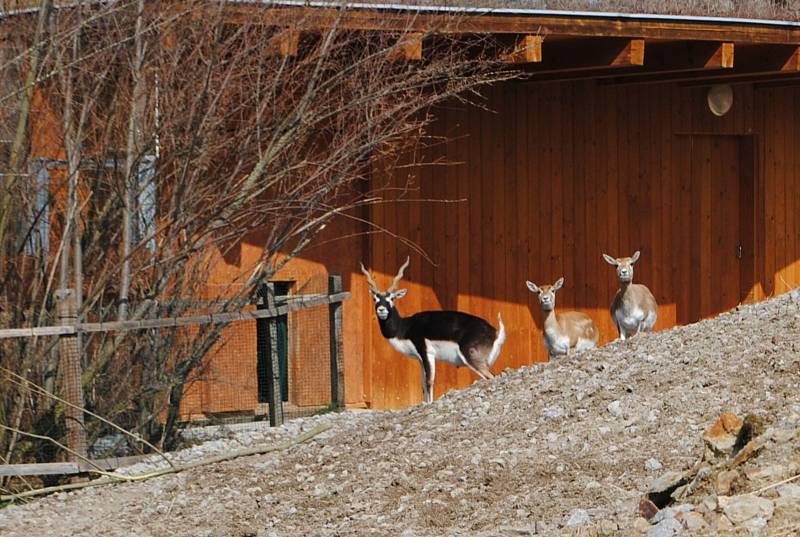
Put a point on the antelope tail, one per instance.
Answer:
(498, 343)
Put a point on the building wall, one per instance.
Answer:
(229, 379)
(561, 173)
(556, 175)
(778, 125)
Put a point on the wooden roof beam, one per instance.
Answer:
(752, 62)
(632, 53)
(527, 50)
(289, 42)
(760, 80)
(664, 58)
(579, 55)
(551, 25)
(777, 83)
(412, 46)
(407, 48)
(722, 57)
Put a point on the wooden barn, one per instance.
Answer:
(676, 136)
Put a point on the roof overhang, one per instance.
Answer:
(548, 45)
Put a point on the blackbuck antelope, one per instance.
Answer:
(634, 309)
(567, 330)
(450, 336)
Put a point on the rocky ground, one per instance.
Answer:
(609, 442)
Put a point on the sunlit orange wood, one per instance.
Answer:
(528, 50)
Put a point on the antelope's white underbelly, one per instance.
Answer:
(444, 351)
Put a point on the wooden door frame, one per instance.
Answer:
(751, 211)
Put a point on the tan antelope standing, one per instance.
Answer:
(634, 308)
(449, 336)
(567, 330)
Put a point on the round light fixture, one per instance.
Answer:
(720, 99)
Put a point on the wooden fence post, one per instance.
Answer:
(273, 364)
(337, 343)
(70, 364)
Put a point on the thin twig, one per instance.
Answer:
(773, 485)
(110, 479)
(42, 391)
(59, 444)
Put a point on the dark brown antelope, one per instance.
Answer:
(634, 308)
(567, 330)
(449, 336)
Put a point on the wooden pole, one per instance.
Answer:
(337, 343)
(71, 370)
(273, 364)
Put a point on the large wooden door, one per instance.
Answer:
(721, 218)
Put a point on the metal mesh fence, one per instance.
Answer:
(273, 361)
(234, 382)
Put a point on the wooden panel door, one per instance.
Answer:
(720, 216)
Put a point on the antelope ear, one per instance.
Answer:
(533, 287)
(558, 284)
(400, 293)
(635, 257)
(610, 260)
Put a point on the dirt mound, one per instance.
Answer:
(568, 448)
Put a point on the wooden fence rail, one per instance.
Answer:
(70, 329)
(70, 468)
(296, 304)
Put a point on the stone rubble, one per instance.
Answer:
(523, 454)
(728, 483)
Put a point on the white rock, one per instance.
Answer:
(668, 527)
(554, 412)
(670, 512)
(652, 465)
(615, 408)
(743, 508)
(789, 491)
(693, 521)
(578, 517)
(755, 525)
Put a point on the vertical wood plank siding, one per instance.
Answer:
(559, 173)
(552, 177)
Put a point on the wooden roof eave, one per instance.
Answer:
(547, 26)
(320, 14)
(558, 48)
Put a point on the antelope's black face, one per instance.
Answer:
(385, 302)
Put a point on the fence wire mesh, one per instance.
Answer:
(233, 383)
(186, 377)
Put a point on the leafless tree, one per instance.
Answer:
(180, 129)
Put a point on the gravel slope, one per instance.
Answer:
(517, 455)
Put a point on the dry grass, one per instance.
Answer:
(759, 9)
